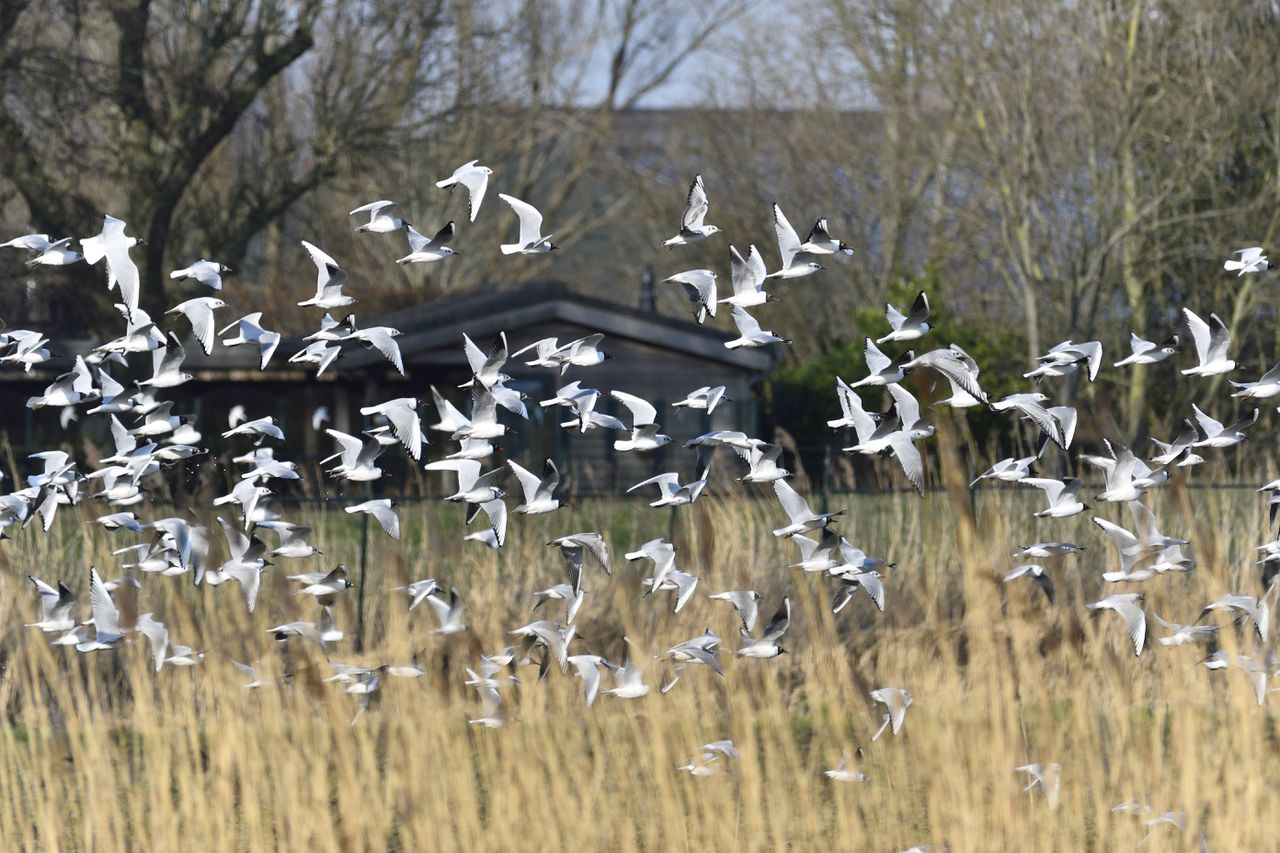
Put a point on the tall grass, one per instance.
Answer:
(100, 752)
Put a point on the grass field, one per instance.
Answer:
(100, 752)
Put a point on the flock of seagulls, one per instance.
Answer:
(149, 436)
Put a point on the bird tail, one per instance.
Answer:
(447, 182)
(511, 248)
(177, 274)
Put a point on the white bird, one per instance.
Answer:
(1217, 435)
(258, 428)
(1061, 494)
(750, 334)
(319, 353)
(1065, 358)
(1128, 606)
(166, 366)
(472, 176)
(700, 286)
(705, 399)
(896, 702)
(1147, 352)
(251, 332)
(31, 243)
(842, 772)
(402, 414)
(382, 339)
(747, 277)
(671, 492)
(763, 459)
(660, 552)
(199, 313)
(882, 370)
(1047, 776)
(888, 438)
(1036, 573)
(113, 245)
(448, 614)
(693, 226)
(381, 510)
(850, 582)
(1256, 609)
(473, 488)
(1247, 260)
(295, 540)
(425, 250)
(1184, 634)
(910, 326)
(794, 263)
(745, 601)
(1031, 406)
(769, 644)
(703, 649)
(55, 607)
(820, 241)
(382, 218)
(539, 492)
(531, 240)
(588, 668)
(1268, 385)
(57, 254)
(576, 546)
(106, 618)
(356, 458)
(1211, 340)
(1047, 550)
(208, 273)
(681, 583)
(562, 592)
(644, 427)
(628, 679)
(324, 587)
(329, 280)
(797, 510)
(1009, 470)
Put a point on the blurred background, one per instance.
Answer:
(1044, 171)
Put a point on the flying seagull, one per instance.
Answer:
(692, 225)
(472, 176)
(531, 240)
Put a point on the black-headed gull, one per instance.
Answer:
(692, 224)
(475, 178)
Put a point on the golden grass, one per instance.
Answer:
(99, 752)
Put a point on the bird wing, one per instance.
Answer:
(876, 360)
(328, 274)
(529, 481)
(643, 412)
(908, 456)
(530, 219)
(476, 181)
(385, 344)
(1210, 427)
(696, 206)
(795, 506)
(373, 208)
(748, 326)
(919, 309)
(1200, 334)
(788, 240)
(907, 406)
(158, 635)
(1051, 488)
(779, 624)
(106, 618)
(1219, 338)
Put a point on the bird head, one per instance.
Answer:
(223, 269)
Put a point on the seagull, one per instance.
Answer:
(419, 590)
(1048, 550)
(381, 338)
(700, 286)
(703, 649)
(166, 366)
(55, 607)
(1127, 478)
(660, 552)
(539, 492)
(106, 618)
(1247, 260)
(356, 458)
(911, 326)
(1256, 609)
(402, 414)
(1211, 340)
(562, 592)
(163, 651)
(1061, 494)
(1032, 408)
(705, 398)
(1184, 634)
(745, 601)
(797, 509)
(382, 218)
(1217, 435)
(472, 176)
(852, 412)
(251, 332)
(258, 428)
(896, 702)
(644, 428)
(843, 773)
(57, 254)
(1037, 574)
(1268, 385)
(1146, 352)
(329, 280)
(628, 679)
(32, 243)
(208, 273)
(888, 438)
(295, 541)
(748, 278)
(575, 546)
(850, 582)
(671, 491)
(820, 241)
(1010, 470)
(531, 241)
(473, 488)
(199, 313)
(793, 264)
(692, 225)
(113, 245)
(588, 667)
(763, 459)
(1065, 358)
(882, 370)
(448, 614)
(749, 332)
(769, 645)
(1128, 606)
(424, 250)
(1046, 776)
(326, 587)
(1177, 449)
